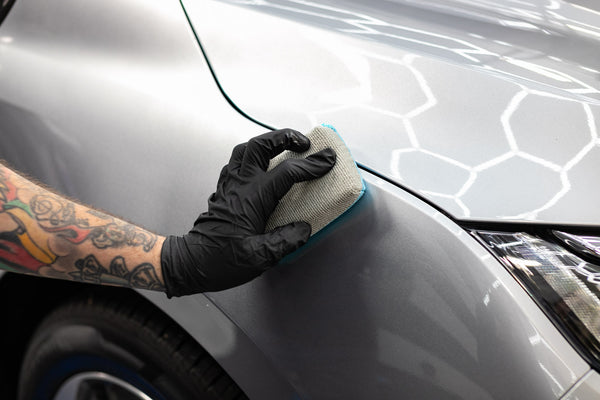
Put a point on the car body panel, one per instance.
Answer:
(101, 117)
(144, 135)
(587, 388)
(394, 299)
(487, 110)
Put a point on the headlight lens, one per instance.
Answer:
(565, 285)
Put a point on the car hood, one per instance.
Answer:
(489, 112)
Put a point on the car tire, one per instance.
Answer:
(118, 347)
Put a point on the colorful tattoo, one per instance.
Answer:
(27, 245)
(26, 229)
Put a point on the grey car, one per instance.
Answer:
(469, 268)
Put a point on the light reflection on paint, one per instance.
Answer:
(547, 71)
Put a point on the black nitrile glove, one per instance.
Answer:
(227, 245)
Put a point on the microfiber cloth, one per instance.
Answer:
(322, 200)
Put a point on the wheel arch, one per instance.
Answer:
(25, 300)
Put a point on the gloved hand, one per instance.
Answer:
(227, 245)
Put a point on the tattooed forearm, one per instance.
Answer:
(45, 234)
(143, 276)
(59, 216)
(54, 211)
(114, 235)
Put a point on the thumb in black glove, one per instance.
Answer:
(227, 245)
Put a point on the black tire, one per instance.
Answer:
(127, 338)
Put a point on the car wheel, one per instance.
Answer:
(97, 347)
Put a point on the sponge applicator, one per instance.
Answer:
(320, 201)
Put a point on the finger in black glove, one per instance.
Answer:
(227, 245)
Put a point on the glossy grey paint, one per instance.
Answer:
(488, 109)
(394, 300)
(103, 108)
(127, 119)
(587, 388)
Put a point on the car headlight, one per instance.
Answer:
(561, 271)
